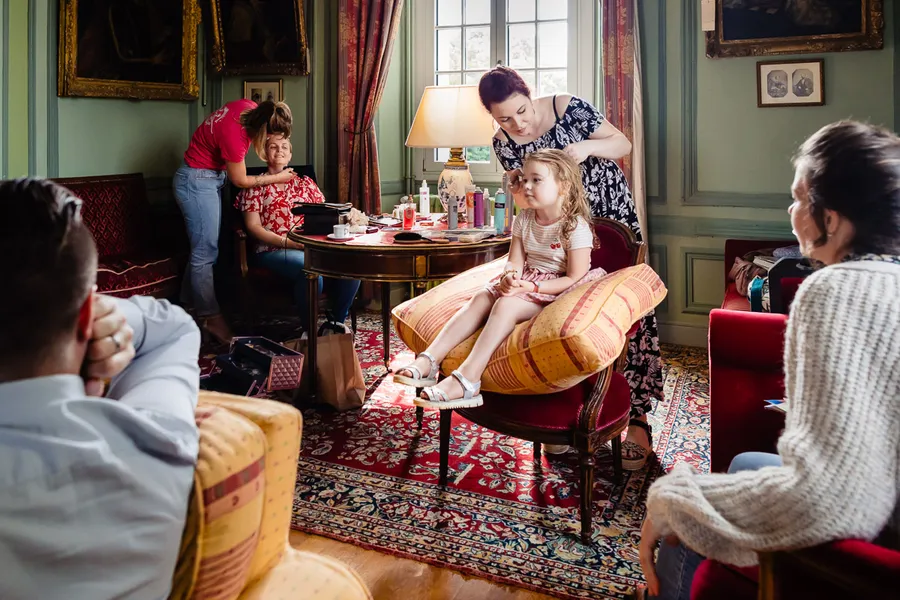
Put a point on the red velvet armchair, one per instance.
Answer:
(141, 252)
(585, 416)
(745, 368)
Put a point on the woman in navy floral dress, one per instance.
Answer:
(571, 124)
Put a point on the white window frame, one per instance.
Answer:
(583, 37)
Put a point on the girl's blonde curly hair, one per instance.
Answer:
(567, 174)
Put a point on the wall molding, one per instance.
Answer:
(661, 266)
(32, 87)
(896, 67)
(393, 187)
(691, 255)
(52, 97)
(680, 226)
(4, 91)
(691, 195)
(684, 335)
(662, 81)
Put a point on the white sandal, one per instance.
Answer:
(417, 380)
(438, 398)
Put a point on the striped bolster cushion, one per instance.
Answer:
(579, 334)
(230, 479)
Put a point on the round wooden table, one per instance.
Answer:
(368, 258)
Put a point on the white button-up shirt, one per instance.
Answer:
(94, 491)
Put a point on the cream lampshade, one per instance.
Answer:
(451, 117)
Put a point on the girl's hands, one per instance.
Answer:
(508, 281)
(511, 285)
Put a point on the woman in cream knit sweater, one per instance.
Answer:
(837, 471)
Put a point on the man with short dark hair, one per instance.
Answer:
(93, 490)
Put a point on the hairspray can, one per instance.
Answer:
(479, 207)
(499, 211)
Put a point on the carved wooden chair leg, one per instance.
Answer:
(587, 461)
(537, 453)
(617, 459)
(420, 412)
(446, 415)
(353, 318)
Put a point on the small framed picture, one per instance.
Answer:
(790, 83)
(260, 91)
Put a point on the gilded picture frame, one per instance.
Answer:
(145, 50)
(258, 37)
(770, 28)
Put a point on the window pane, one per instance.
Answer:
(521, 45)
(442, 155)
(449, 51)
(473, 77)
(478, 48)
(478, 154)
(449, 79)
(521, 10)
(552, 9)
(478, 12)
(552, 82)
(553, 44)
(528, 76)
(449, 12)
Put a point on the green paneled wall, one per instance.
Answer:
(718, 166)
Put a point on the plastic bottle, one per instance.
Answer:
(470, 205)
(453, 212)
(488, 209)
(479, 207)
(424, 199)
(500, 212)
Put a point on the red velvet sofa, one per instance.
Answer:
(141, 251)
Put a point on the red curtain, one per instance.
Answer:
(366, 33)
(619, 20)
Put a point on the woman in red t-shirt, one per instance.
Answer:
(217, 149)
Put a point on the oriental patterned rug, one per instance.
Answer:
(368, 477)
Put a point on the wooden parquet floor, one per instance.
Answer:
(392, 578)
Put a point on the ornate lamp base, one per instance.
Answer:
(453, 181)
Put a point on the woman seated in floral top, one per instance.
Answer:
(268, 218)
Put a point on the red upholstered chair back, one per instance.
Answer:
(618, 248)
(116, 211)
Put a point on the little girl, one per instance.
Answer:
(268, 218)
(550, 252)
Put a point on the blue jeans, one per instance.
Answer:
(198, 193)
(289, 264)
(676, 565)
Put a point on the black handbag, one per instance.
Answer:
(320, 219)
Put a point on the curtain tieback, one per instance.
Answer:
(366, 130)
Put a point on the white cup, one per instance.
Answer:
(342, 230)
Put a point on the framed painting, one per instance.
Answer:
(139, 49)
(265, 37)
(771, 27)
(790, 83)
(262, 91)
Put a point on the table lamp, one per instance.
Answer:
(451, 116)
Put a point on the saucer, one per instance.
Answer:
(331, 237)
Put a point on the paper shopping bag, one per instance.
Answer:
(340, 378)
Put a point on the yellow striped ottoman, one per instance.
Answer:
(581, 333)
